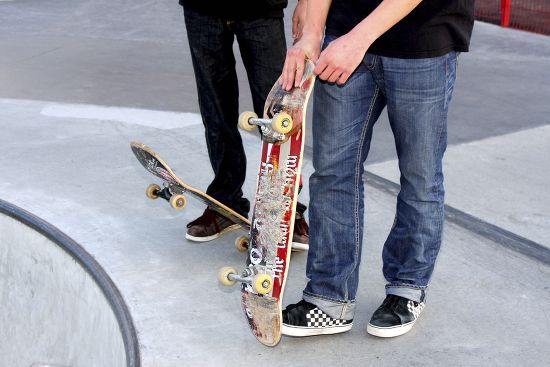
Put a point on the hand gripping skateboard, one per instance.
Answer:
(272, 224)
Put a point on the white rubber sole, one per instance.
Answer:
(299, 247)
(305, 331)
(214, 236)
(390, 332)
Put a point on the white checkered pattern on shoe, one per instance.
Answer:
(415, 309)
(317, 318)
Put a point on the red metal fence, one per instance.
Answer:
(528, 15)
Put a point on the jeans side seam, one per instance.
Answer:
(446, 79)
(356, 187)
(438, 152)
(441, 208)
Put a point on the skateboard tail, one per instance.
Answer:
(262, 316)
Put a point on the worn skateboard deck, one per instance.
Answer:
(272, 222)
(153, 163)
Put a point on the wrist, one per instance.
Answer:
(312, 33)
(362, 39)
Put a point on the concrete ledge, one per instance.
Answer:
(475, 225)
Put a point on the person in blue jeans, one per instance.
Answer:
(212, 26)
(398, 54)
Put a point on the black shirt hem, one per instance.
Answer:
(418, 54)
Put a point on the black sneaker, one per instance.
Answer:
(306, 319)
(210, 225)
(394, 317)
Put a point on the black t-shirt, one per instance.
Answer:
(433, 28)
(240, 9)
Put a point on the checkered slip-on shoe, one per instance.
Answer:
(394, 317)
(306, 319)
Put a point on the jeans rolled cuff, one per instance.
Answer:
(414, 294)
(335, 309)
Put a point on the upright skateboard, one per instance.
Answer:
(272, 224)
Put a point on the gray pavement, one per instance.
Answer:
(80, 80)
(81, 175)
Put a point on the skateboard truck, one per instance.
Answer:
(260, 283)
(177, 201)
(272, 129)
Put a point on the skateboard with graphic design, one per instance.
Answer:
(174, 190)
(263, 279)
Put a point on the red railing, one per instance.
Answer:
(528, 15)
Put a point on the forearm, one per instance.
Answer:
(385, 16)
(316, 17)
(342, 56)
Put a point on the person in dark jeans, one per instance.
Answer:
(212, 26)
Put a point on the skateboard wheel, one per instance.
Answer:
(152, 191)
(223, 275)
(262, 283)
(241, 243)
(178, 202)
(244, 119)
(282, 122)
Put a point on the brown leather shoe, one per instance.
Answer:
(209, 226)
(300, 238)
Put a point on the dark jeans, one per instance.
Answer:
(263, 48)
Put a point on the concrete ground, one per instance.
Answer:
(80, 80)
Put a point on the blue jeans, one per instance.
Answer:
(417, 93)
(262, 46)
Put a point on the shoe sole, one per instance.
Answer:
(305, 331)
(299, 247)
(214, 236)
(389, 332)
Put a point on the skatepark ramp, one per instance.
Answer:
(58, 307)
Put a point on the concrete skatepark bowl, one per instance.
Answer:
(58, 307)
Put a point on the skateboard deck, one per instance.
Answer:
(175, 188)
(272, 222)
